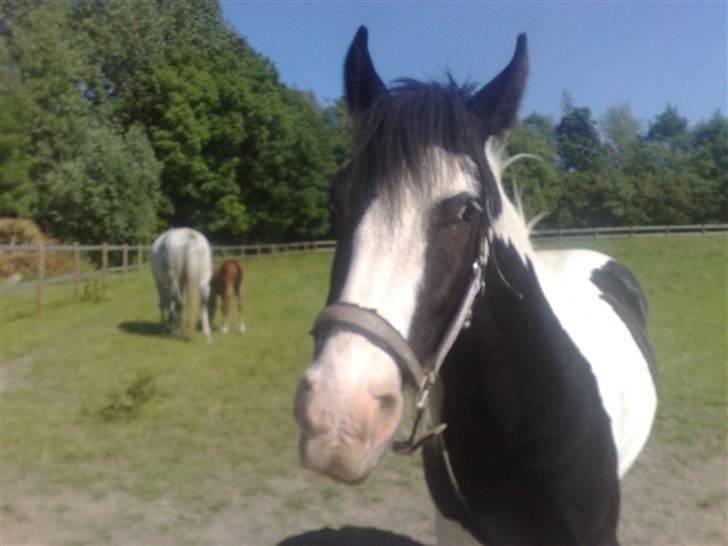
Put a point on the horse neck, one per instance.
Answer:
(523, 418)
(514, 365)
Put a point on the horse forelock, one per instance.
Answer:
(394, 138)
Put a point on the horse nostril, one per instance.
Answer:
(304, 393)
(387, 403)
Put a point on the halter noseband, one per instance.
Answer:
(378, 330)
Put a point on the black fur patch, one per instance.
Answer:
(528, 437)
(622, 291)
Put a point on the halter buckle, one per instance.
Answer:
(424, 391)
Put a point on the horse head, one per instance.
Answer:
(413, 208)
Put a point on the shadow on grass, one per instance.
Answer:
(351, 536)
(145, 328)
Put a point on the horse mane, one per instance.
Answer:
(499, 161)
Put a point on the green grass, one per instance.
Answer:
(98, 397)
(202, 410)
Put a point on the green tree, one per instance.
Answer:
(669, 128)
(339, 119)
(621, 130)
(109, 191)
(538, 178)
(709, 159)
(17, 193)
(578, 144)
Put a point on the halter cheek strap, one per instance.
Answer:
(378, 330)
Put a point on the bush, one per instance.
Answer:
(18, 231)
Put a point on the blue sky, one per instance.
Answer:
(605, 53)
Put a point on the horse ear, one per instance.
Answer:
(362, 84)
(496, 104)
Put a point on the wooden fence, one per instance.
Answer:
(628, 231)
(83, 262)
(134, 257)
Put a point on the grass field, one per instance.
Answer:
(96, 398)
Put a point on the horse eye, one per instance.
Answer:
(458, 210)
(468, 210)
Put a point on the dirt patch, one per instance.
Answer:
(674, 495)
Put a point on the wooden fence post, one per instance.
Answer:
(140, 256)
(104, 262)
(41, 277)
(76, 271)
(125, 261)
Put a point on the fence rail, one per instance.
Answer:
(133, 256)
(628, 231)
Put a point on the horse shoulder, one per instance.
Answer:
(601, 307)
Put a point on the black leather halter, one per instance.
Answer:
(377, 329)
(370, 324)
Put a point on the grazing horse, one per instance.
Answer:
(228, 279)
(534, 367)
(181, 257)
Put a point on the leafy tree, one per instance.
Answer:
(120, 118)
(109, 191)
(339, 119)
(577, 140)
(567, 103)
(92, 180)
(709, 159)
(243, 156)
(621, 129)
(17, 193)
(538, 179)
(669, 128)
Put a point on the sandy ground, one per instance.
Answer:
(673, 496)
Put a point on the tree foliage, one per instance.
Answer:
(17, 193)
(577, 139)
(109, 191)
(670, 175)
(119, 119)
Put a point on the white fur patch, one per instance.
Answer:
(622, 374)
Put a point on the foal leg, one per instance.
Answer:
(226, 297)
(240, 305)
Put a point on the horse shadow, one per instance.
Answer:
(145, 328)
(350, 536)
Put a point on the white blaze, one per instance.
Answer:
(386, 273)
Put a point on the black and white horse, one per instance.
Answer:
(543, 374)
(182, 257)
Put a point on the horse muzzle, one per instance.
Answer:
(346, 412)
